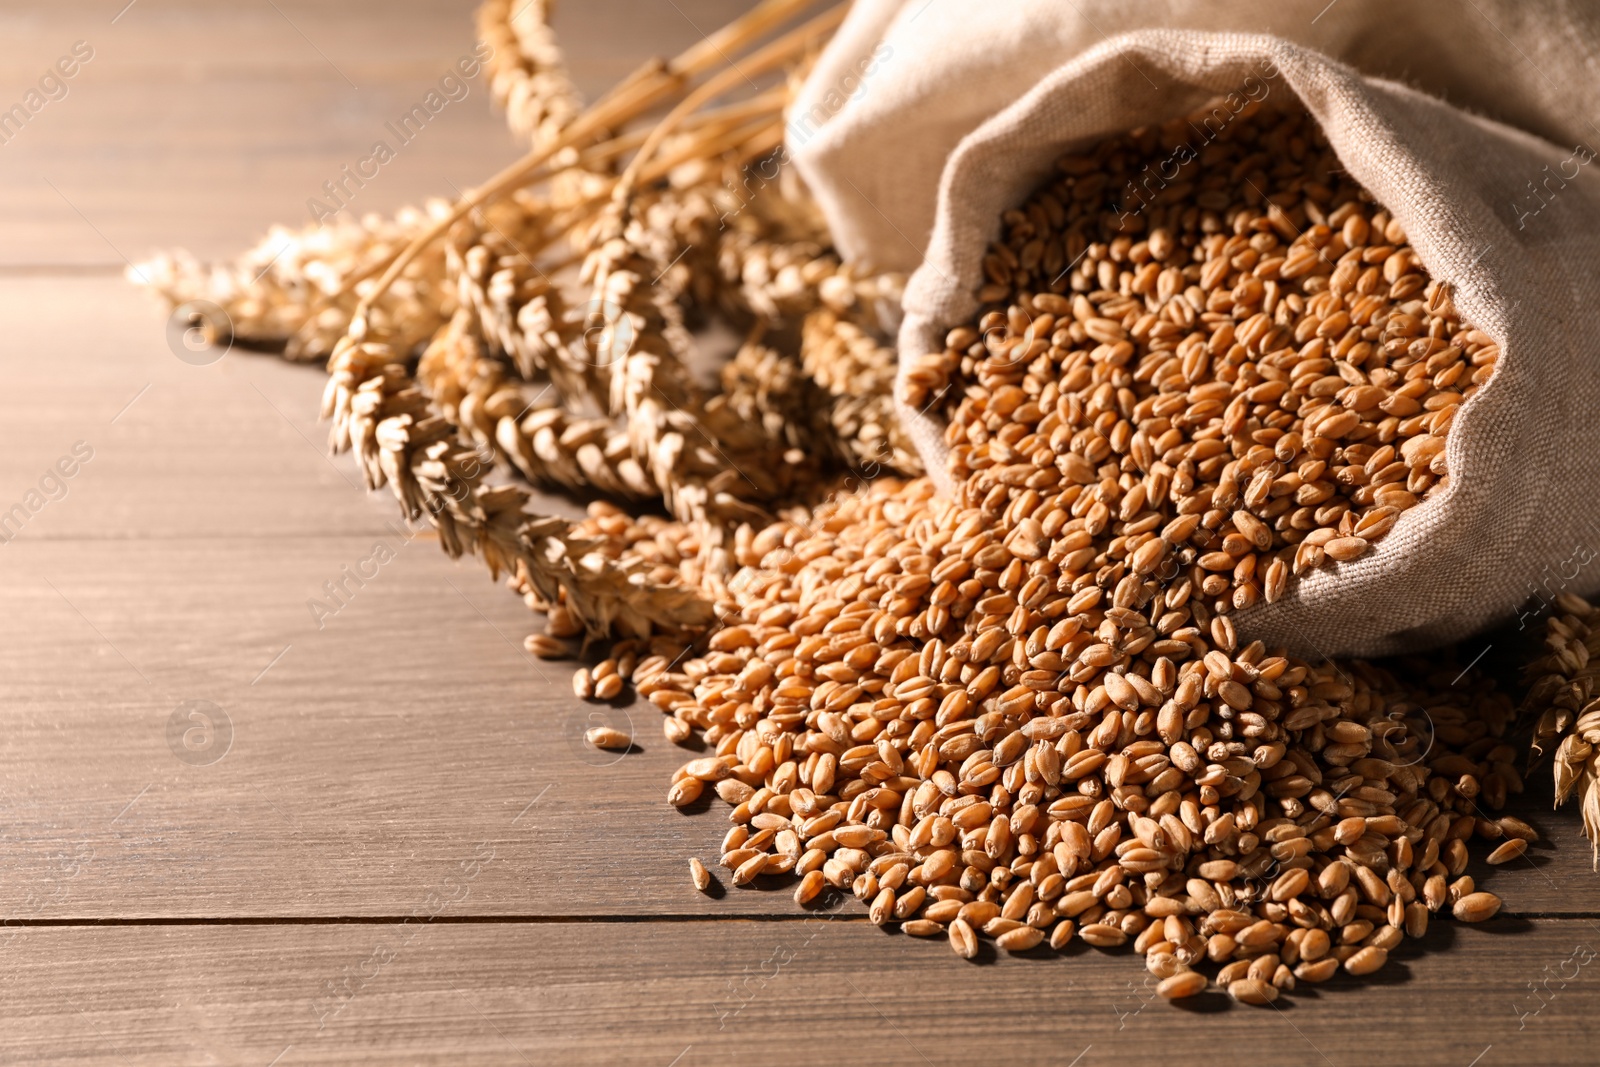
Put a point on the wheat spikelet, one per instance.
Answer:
(502, 415)
(284, 292)
(1562, 685)
(857, 373)
(527, 72)
(524, 316)
(646, 346)
(378, 412)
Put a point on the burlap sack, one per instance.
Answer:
(925, 120)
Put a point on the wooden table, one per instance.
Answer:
(394, 847)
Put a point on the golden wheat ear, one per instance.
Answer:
(1561, 690)
(380, 415)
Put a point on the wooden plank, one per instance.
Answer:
(233, 449)
(368, 757)
(818, 992)
(200, 124)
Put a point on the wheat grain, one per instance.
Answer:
(1252, 991)
(1476, 907)
(1367, 960)
(1507, 852)
(699, 875)
(1181, 985)
(963, 939)
(607, 737)
(547, 647)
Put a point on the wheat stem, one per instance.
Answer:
(646, 88)
(761, 62)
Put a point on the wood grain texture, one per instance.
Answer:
(200, 123)
(817, 992)
(405, 730)
(390, 738)
(228, 450)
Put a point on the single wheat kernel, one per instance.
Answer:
(1476, 907)
(607, 737)
(1181, 985)
(699, 875)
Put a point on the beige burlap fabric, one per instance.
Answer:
(942, 115)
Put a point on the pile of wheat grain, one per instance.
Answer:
(1024, 711)
(1209, 802)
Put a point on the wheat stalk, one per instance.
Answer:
(646, 343)
(580, 379)
(285, 292)
(652, 85)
